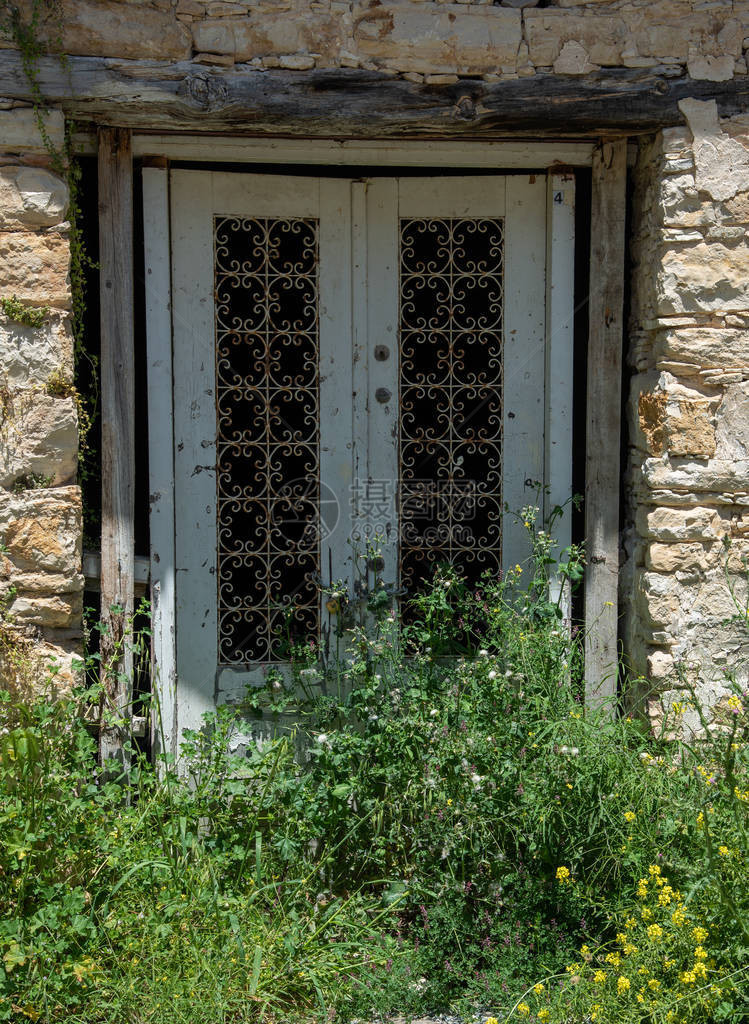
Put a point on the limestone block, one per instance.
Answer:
(109, 28)
(28, 355)
(657, 599)
(732, 423)
(672, 417)
(573, 60)
(703, 477)
(703, 277)
(680, 524)
(258, 34)
(434, 38)
(33, 665)
(666, 558)
(39, 438)
(721, 162)
(660, 665)
(35, 265)
(59, 611)
(705, 346)
(602, 36)
(709, 69)
(41, 530)
(31, 197)
(19, 130)
(191, 7)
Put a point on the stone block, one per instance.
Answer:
(704, 346)
(668, 558)
(703, 277)
(673, 525)
(31, 197)
(732, 423)
(672, 417)
(32, 666)
(258, 35)
(34, 266)
(725, 476)
(39, 438)
(19, 130)
(721, 162)
(41, 531)
(58, 611)
(110, 28)
(602, 36)
(657, 599)
(434, 38)
(29, 354)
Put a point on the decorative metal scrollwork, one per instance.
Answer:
(267, 395)
(450, 429)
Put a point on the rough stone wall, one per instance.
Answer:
(688, 475)
(432, 40)
(41, 585)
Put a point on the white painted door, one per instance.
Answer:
(349, 357)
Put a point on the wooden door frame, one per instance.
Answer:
(502, 156)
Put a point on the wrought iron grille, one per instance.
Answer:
(267, 395)
(450, 429)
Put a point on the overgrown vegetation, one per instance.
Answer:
(21, 313)
(459, 831)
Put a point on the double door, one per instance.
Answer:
(354, 361)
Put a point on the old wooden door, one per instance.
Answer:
(350, 357)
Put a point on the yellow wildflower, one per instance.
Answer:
(599, 977)
(679, 917)
(700, 819)
(613, 958)
(700, 969)
(723, 851)
(543, 1015)
(687, 977)
(563, 875)
(622, 984)
(629, 816)
(538, 989)
(654, 984)
(642, 888)
(646, 914)
(594, 1011)
(523, 1009)
(654, 870)
(655, 932)
(699, 953)
(699, 934)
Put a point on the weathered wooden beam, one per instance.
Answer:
(604, 398)
(182, 96)
(117, 435)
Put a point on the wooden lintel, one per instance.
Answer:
(182, 96)
(603, 431)
(117, 433)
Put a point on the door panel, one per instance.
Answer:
(350, 358)
(259, 332)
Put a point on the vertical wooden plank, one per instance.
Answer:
(336, 408)
(523, 359)
(382, 342)
(160, 456)
(117, 433)
(604, 395)
(560, 312)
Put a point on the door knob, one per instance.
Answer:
(382, 395)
